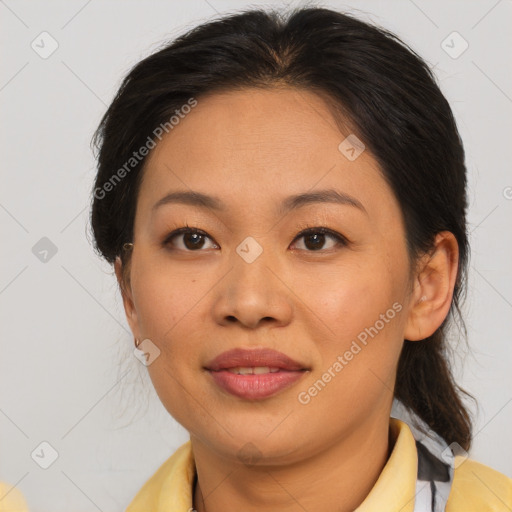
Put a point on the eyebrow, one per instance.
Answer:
(321, 196)
(294, 202)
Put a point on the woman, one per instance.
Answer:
(284, 202)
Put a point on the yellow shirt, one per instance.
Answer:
(11, 499)
(475, 488)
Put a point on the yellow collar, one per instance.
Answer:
(170, 488)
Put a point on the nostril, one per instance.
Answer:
(233, 319)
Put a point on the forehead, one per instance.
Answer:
(253, 143)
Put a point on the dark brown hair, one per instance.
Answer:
(375, 82)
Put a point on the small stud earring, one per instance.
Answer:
(423, 298)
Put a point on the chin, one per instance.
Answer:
(254, 446)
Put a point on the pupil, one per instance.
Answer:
(196, 237)
(319, 241)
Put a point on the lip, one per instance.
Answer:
(255, 386)
(254, 357)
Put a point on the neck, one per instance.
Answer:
(337, 479)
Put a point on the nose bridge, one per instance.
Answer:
(250, 291)
(250, 274)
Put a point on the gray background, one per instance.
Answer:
(67, 370)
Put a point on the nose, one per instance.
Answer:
(253, 293)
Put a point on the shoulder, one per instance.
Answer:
(479, 488)
(11, 499)
(170, 484)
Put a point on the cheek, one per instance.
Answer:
(354, 295)
(165, 300)
(168, 304)
(357, 362)
(362, 307)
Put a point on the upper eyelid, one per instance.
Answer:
(319, 229)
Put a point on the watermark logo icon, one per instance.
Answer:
(249, 249)
(454, 45)
(44, 250)
(351, 147)
(44, 455)
(44, 45)
(454, 450)
(146, 352)
(249, 454)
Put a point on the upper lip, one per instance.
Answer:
(240, 357)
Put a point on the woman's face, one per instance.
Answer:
(338, 307)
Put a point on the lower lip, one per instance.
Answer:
(255, 387)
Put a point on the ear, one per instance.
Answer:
(126, 293)
(433, 288)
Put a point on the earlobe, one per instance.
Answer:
(433, 288)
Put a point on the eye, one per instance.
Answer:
(192, 239)
(315, 238)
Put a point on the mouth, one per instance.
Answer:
(251, 370)
(254, 374)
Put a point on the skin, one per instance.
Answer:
(252, 149)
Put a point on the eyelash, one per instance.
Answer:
(341, 241)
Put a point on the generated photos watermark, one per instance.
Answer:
(305, 397)
(143, 151)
